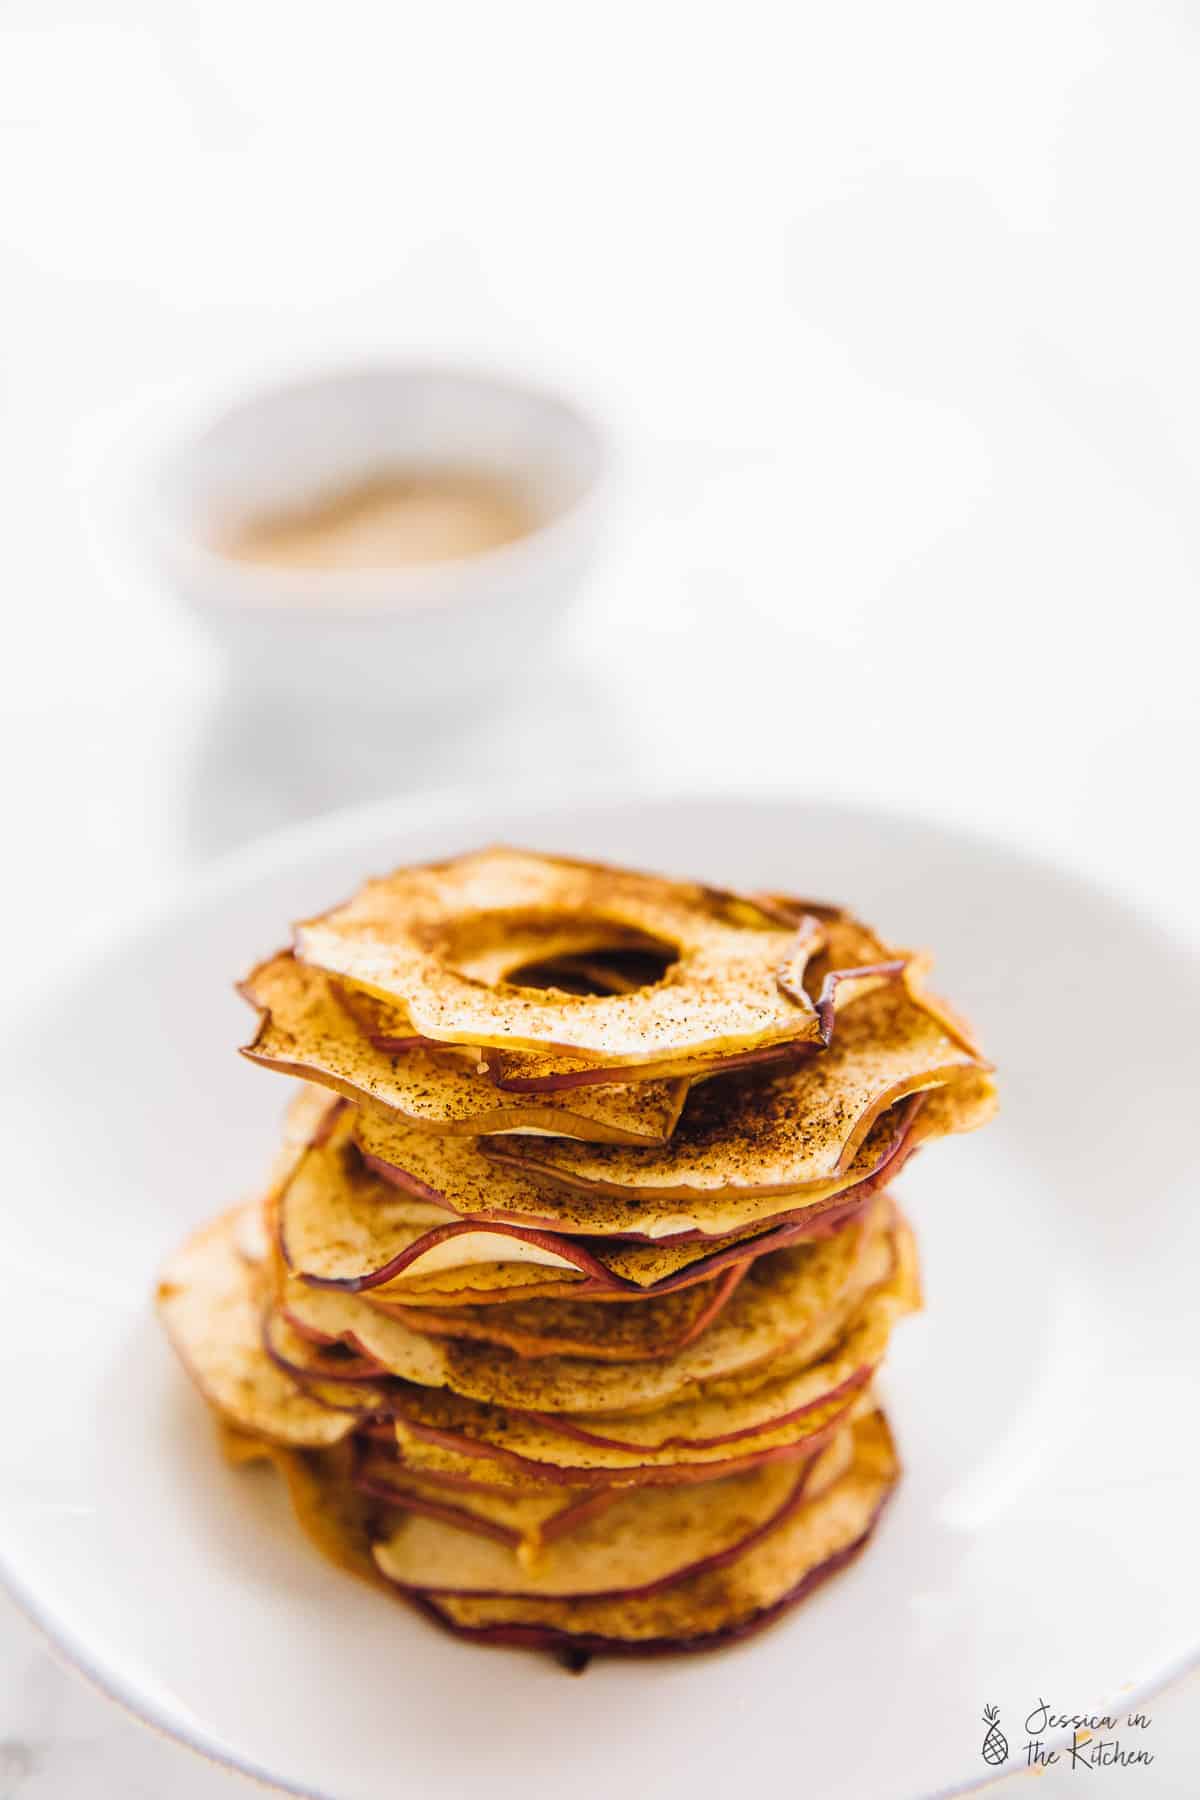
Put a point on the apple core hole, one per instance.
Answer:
(625, 971)
(537, 951)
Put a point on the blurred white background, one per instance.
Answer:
(891, 310)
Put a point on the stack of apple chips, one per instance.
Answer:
(563, 1309)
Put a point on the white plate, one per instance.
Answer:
(1042, 1544)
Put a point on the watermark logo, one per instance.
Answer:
(1097, 1740)
(995, 1744)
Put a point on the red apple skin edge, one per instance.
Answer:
(791, 1050)
(644, 1475)
(846, 1200)
(844, 1389)
(601, 1074)
(703, 1564)
(576, 1650)
(724, 1286)
(890, 1157)
(577, 1513)
(547, 1473)
(784, 1229)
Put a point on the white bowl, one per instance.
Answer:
(411, 635)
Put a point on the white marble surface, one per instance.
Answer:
(893, 314)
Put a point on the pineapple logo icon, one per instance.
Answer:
(995, 1744)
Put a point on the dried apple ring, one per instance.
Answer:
(777, 1132)
(851, 963)
(737, 984)
(305, 1029)
(210, 1300)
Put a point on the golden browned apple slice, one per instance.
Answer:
(524, 1522)
(728, 1413)
(463, 1176)
(620, 1270)
(826, 1518)
(489, 1284)
(789, 1310)
(338, 1224)
(773, 1131)
(632, 1331)
(715, 1605)
(642, 1541)
(560, 957)
(304, 1031)
(452, 1457)
(210, 1300)
(737, 983)
(716, 1433)
(852, 961)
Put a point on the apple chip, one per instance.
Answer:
(714, 1605)
(629, 1330)
(305, 1031)
(210, 1300)
(486, 1284)
(440, 1456)
(851, 962)
(474, 1180)
(524, 1522)
(737, 983)
(723, 1412)
(641, 1541)
(773, 1132)
(619, 1269)
(340, 1225)
(607, 1270)
(824, 1521)
(677, 1441)
(788, 1311)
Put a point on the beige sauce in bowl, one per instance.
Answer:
(389, 519)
